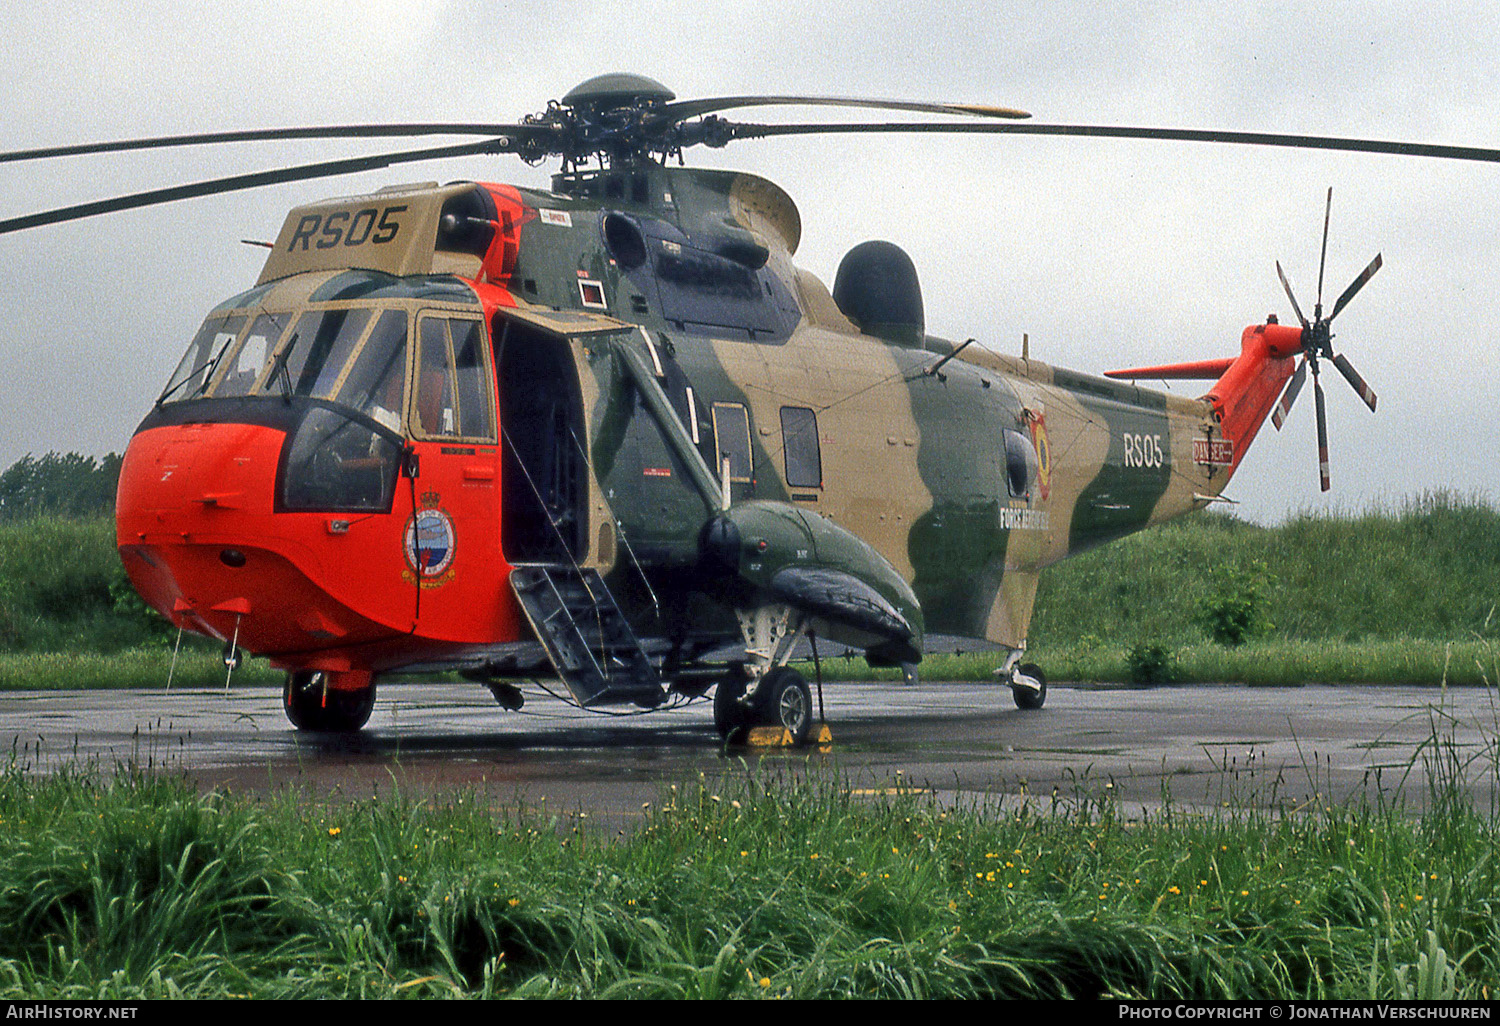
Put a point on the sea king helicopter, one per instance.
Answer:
(610, 432)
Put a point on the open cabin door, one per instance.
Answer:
(544, 494)
(545, 504)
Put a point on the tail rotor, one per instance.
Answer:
(1317, 343)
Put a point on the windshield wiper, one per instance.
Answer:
(279, 369)
(208, 366)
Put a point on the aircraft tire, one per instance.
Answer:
(731, 719)
(786, 702)
(1025, 697)
(344, 711)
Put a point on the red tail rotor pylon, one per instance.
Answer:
(1246, 387)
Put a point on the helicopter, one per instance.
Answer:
(611, 433)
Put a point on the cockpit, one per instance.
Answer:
(350, 369)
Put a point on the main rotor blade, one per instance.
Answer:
(274, 134)
(1284, 407)
(254, 180)
(1323, 477)
(684, 109)
(1352, 376)
(1355, 286)
(1409, 149)
(1287, 285)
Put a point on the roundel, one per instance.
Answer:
(1038, 424)
(430, 542)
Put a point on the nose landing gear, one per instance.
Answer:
(330, 703)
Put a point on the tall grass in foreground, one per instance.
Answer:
(769, 882)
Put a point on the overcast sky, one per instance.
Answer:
(1108, 254)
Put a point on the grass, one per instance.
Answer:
(1428, 569)
(1405, 594)
(793, 883)
(1267, 661)
(763, 884)
(143, 667)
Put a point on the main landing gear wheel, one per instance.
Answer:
(1025, 697)
(312, 705)
(786, 702)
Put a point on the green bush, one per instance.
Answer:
(59, 484)
(1427, 568)
(1235, 612)
(1151, 663)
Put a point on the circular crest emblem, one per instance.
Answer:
(430, 542)
(1038, 424)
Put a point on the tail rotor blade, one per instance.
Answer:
(1278, 416)
(1323, 477)
(1355, 286)
(1323, 260)
(1316, 344)
(1358, 383)
(1287, 285)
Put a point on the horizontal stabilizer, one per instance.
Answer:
(1201, 370)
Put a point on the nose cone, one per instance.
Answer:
(199, 536)
(189, 468)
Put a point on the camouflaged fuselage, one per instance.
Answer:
(915, 463)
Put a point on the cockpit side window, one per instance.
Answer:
(453, 394)
(204, 354)
(433, 404)
(473, 390)
(376, 381)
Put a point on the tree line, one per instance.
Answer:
(59, 484)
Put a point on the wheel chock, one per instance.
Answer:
(780, 737)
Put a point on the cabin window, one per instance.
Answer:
(1020, 464)
(732, 437)
(799, 440)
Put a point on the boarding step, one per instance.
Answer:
(586, 636)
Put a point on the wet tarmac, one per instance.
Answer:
(1202, 745)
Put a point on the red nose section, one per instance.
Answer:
(199, 537)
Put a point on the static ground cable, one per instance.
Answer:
(173, 668)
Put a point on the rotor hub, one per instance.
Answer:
(603, 92)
